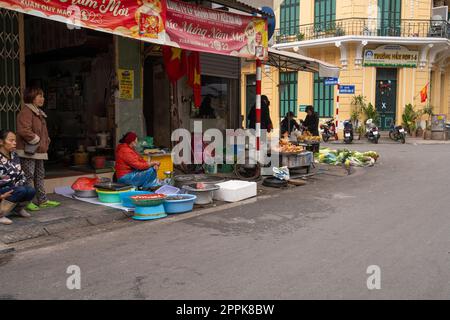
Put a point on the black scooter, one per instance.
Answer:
(397, 133)
(348, 132)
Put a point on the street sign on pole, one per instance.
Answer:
(331, 81)
(347, 89)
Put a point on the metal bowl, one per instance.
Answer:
(86, 193)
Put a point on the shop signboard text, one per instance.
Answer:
(391, 56)
(166, 22)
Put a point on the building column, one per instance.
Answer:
(129, 112)
(435, 94)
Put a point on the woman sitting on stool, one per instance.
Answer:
(131, 168)
(14, 193)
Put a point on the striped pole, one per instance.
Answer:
(337, 110)
(258, 106)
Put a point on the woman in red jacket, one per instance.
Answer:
(131, 168)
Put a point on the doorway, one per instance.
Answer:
(250, 94)
(386, 96)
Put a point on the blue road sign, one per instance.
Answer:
(347, 89)
(331, 81)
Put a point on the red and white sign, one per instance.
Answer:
(167, 22)
(201, 29)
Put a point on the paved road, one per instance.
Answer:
(309, 242)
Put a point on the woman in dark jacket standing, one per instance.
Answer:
(311, 121)
(32, 145)
(266, 122)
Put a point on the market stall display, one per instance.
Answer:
(149, 206)
(204, 192)
(110, 196)
(112, 186)
(148, 200)
(347, 157)
(84, 187)
(294, 156)
(308, 137)
(125, 197)
(179, 203)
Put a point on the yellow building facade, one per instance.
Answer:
(389, 50)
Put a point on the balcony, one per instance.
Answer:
(365, 27)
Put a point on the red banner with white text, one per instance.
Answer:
(216, 31)
(166, 22)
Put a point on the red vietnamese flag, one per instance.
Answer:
(174, 62)
(424, 94)
(194, 77)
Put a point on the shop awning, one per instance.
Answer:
(238, 5)
(291, 61)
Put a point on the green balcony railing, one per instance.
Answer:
(366, 27)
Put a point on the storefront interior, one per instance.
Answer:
(170, 106)
(75, 69)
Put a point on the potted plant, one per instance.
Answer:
(339, 32)
(357, 103)
(300, 36)
(428, 110)
(370, 112)
(409, 118)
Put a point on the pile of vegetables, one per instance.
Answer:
(347, 157)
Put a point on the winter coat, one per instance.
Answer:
(266, 122)
(11, 173)
(32, 129)
(128, 160)
(288, 126)
(312, 123)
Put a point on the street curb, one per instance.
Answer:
(58, 226)
(4, 249)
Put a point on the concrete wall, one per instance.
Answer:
(129, 114)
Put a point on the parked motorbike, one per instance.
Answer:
(348, 132)
(372, 132)
(328, 130)
(397, 133)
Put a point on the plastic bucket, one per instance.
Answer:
(109, 197)
(179, 206)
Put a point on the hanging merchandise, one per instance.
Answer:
(194, 77)
(174, 62)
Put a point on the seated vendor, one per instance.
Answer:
(288, 124)
(131, 167)
(14, 193)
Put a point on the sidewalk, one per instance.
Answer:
(387, 140)
(74, 214)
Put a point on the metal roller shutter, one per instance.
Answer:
(220, 66)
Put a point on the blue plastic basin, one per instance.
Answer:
(149, 213)
(125, 197)
(179, 206)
